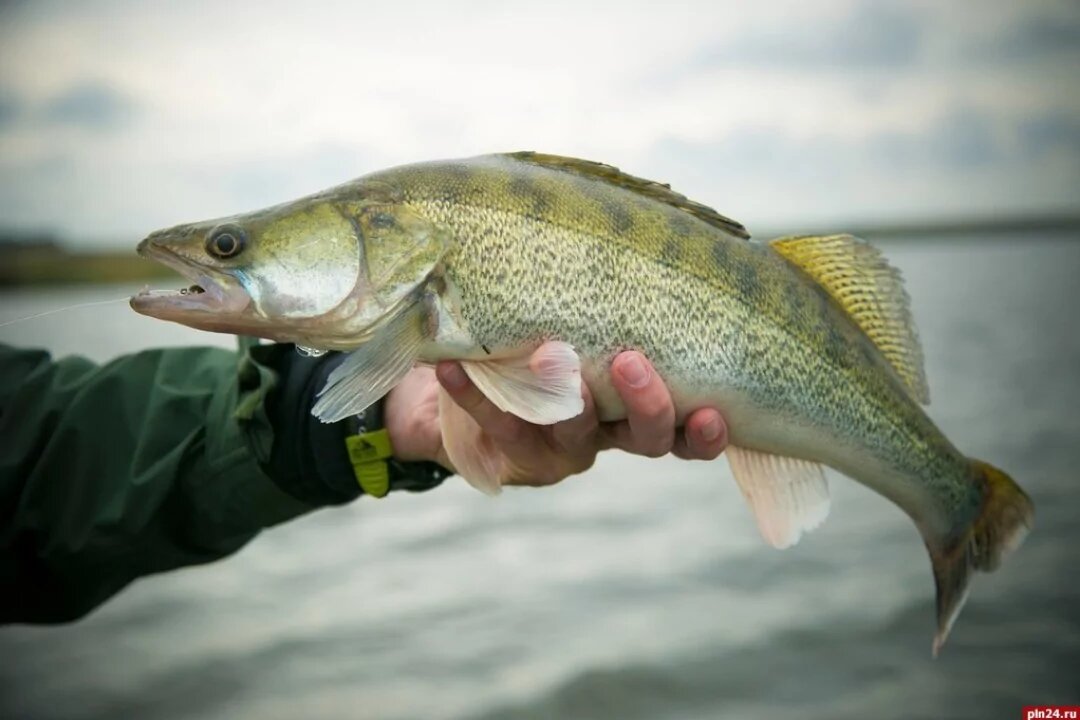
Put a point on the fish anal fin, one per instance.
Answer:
(468, 448)
(788, 496)
(861, 281)
(660, 192)
(543, 388)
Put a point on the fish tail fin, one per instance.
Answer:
(1003, 521)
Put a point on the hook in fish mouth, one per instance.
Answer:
(211, 291)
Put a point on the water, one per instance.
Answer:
(640, 590)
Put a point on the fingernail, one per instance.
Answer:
(453, 376)
(711, 430)
(633, 372)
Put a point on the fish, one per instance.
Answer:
(806, 343)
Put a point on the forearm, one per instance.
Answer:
(153, 461)
(120, 470)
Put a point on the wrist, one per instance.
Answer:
(329, 464)
(411, 417)
(378, 465)
(308, 458)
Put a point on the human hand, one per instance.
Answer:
(530, 454)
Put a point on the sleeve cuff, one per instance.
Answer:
(308, 458)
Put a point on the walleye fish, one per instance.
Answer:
(805, 343)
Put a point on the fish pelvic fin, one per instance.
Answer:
(1003, 521)
(871, 291)
(543, 388)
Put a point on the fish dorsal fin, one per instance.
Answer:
(789, 496)
(870, 290)
(660, 192)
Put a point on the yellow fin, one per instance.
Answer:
(1004, 520)
(859, 278)
(661, 192)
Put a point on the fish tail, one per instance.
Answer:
(1003, 521)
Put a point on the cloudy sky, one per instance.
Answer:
(120, 117)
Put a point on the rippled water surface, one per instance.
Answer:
(639, 590)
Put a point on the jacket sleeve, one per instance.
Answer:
(110, 472)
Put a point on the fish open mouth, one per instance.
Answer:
(210, 291)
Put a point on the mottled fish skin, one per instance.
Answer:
(542, 253)
(805, 343)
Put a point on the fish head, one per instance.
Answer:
(318, 271)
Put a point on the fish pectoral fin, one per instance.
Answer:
(468, 448)
(789, 496)
(543, 388)
(370, 371)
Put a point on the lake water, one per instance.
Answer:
(638, 590)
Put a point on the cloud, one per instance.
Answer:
(257, 182)
(958, 140)
(116, 201)
(10, 108)
(784, 110)
(874, 35)
(89, 104)
(1046, 36)
(28, 192)
(1055, 133)
(964, 139)
(962, 162)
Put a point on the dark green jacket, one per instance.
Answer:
(152, 461)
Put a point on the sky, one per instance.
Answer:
(120, 117)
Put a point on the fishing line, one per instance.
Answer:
(65, 308)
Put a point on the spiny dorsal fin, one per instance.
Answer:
(858, 277)
(654, 190)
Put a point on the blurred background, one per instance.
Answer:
(947, 132)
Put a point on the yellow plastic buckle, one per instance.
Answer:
(368, 453)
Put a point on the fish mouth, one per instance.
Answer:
(210, 293)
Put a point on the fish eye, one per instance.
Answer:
(226, 242)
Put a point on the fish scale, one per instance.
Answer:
(805, 343)
(728, 305)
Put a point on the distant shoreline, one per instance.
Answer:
(54, 265)
(45, 260)
(946, 227)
